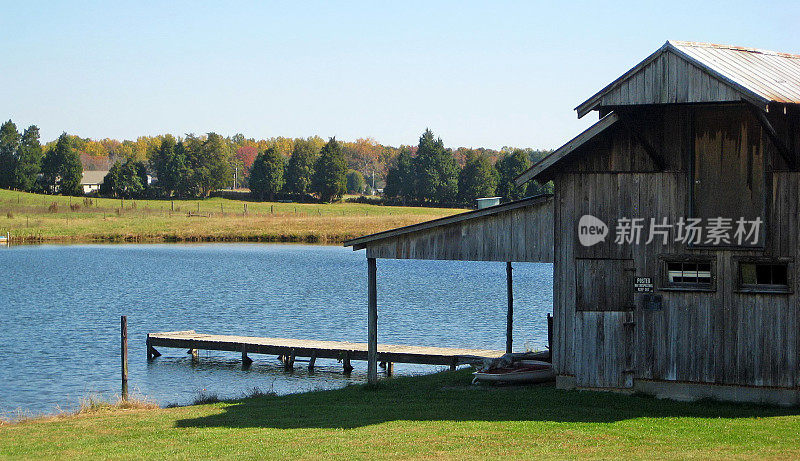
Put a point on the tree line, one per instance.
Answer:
(434, 176)
(297, 168)
(24, 165)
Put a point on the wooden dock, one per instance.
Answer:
(289, 349)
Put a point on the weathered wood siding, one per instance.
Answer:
(521, 234)
(722, 336)
(670, 79)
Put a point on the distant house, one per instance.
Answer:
(92, 180)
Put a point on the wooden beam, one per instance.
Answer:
(654, 154)
(510, 312)
(789, 156)
(372, 322)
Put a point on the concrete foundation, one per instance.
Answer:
(690, 392)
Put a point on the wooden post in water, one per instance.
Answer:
(312, 360)
(372, 322)
(550, 335)
(246, 361)
(510, 313)
(124, 350)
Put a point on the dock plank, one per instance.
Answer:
(394, 353)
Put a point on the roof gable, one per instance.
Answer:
(689, 72)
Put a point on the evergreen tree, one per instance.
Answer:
(355, 182)
(300, 169)
(436, 171)
(330, 170)
(169, 165)
(509, 168)
(400, 178)
(125, 180)
(266, 175)
(29, 159)
(208, 163)
(61, 168)
(9, 144)
(477, 179)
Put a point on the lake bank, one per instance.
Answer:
(434, 416)
(35, 218)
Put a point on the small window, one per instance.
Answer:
(681, 273)
(764, 276)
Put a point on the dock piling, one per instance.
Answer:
(312, 360)
(124, 353)
(346, 364)
(246, 361)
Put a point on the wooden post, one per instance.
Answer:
(550, 335)
(312, 360)
(372, 322)
(151, 351)
(510, 313)
(172, 205)
(246, 361)
(346, 363)
(124, 349)
(389, 368)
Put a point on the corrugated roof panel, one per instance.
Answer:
(760, 76)
(773, 76)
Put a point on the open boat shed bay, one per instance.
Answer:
(673, 230)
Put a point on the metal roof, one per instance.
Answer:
(773, 76)
(761, 76)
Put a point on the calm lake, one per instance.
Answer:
(60, 308)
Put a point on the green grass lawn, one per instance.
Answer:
(437, 416)
(43, 218)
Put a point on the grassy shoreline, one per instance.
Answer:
(35, 218)
(432, 416)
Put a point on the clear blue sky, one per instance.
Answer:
(479, 74)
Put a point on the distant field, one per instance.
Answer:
(47, 218)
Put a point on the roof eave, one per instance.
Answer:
(546, 164)
(591, 103)
(363, 241)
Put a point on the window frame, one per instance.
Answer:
(666, 285)
(763, 289)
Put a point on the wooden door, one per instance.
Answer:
(603, 337)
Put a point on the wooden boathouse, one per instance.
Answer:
(520, 231)
(674, 230)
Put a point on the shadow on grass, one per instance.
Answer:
(448, 396)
